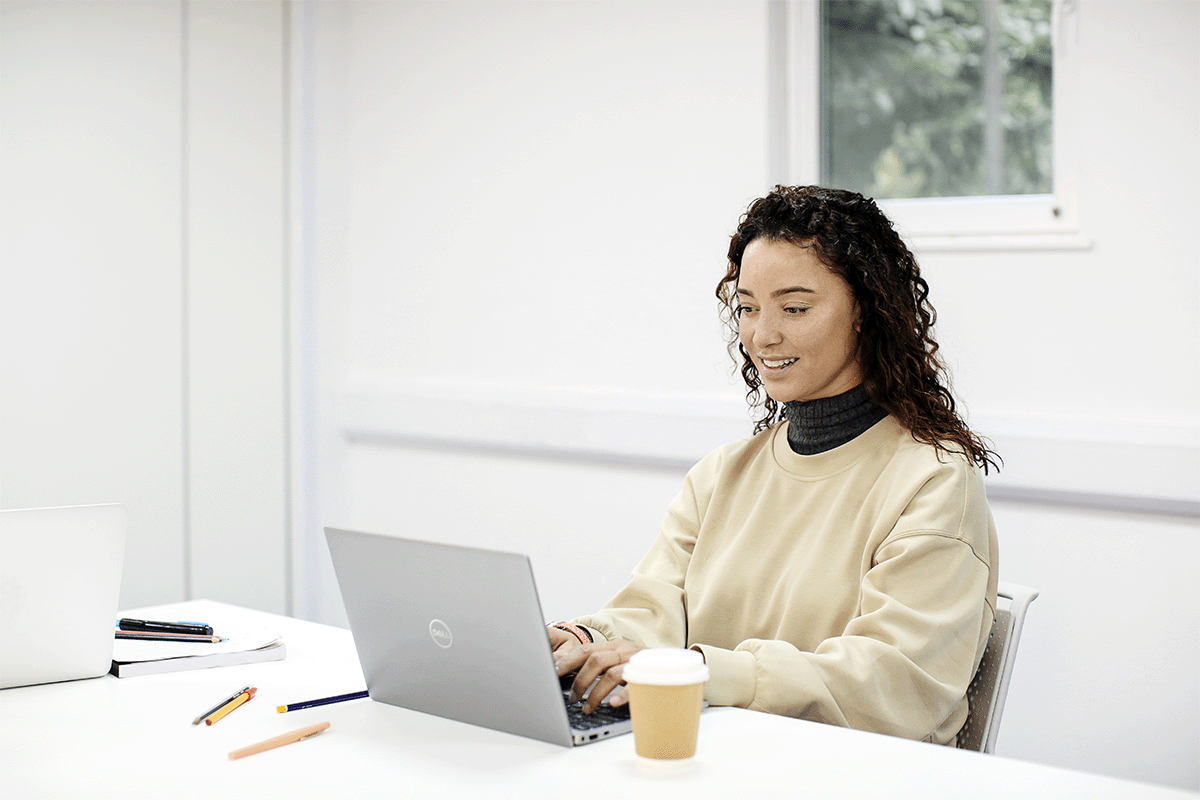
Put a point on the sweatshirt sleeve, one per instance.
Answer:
(903, 664)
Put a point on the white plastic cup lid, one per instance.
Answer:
(666, 666)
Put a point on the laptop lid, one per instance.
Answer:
(453, 631)
(60, 581)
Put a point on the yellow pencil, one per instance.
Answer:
(244, 697)
(280, 741)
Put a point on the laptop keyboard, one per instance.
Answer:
(603, 715)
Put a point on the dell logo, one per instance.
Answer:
(440, 633)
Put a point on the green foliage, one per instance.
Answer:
(903, 94)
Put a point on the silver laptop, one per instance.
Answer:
(60, 581)
(458, 632)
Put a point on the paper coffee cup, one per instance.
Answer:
(666, 693)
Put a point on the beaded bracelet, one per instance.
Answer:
(579, 633)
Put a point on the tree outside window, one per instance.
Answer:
(937, 98)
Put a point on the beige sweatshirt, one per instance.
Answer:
(854, 587)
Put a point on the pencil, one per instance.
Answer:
(220, 713)
(280, 741)
(221, 704)
(324, 701)
(153, 636)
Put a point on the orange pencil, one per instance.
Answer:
(244, 697)
(281, 740)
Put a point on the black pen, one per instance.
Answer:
(196, 628)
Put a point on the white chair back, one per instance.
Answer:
(989, 688)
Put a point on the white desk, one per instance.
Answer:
(133, 738)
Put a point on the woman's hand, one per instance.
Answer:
(565, 646)
(602, 664)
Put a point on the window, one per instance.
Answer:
(956, 115)
(936, 98)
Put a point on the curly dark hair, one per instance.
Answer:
(902, 372)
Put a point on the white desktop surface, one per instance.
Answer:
(133, 738)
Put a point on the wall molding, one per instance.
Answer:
(655, 431)
(1103, 464)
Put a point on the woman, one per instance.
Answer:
(840, 565)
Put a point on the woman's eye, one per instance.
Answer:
(795, 309)
(741, 311)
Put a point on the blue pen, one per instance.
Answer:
(324, 701)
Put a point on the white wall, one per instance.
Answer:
(91, 317)
(143, 311)
(520, 347)
(238, 309)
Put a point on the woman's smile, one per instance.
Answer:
(776, 365)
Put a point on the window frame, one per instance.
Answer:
(1041, 221)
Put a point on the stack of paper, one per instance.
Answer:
(241, 645)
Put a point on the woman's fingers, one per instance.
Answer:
(603, 666)
(599, 660)
(609, 681)
(567, 651)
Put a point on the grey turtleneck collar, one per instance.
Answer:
(815, 426)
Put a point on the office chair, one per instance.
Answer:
(990, 685)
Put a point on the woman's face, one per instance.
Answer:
(799, 322)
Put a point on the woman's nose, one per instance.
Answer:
(766, 330)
